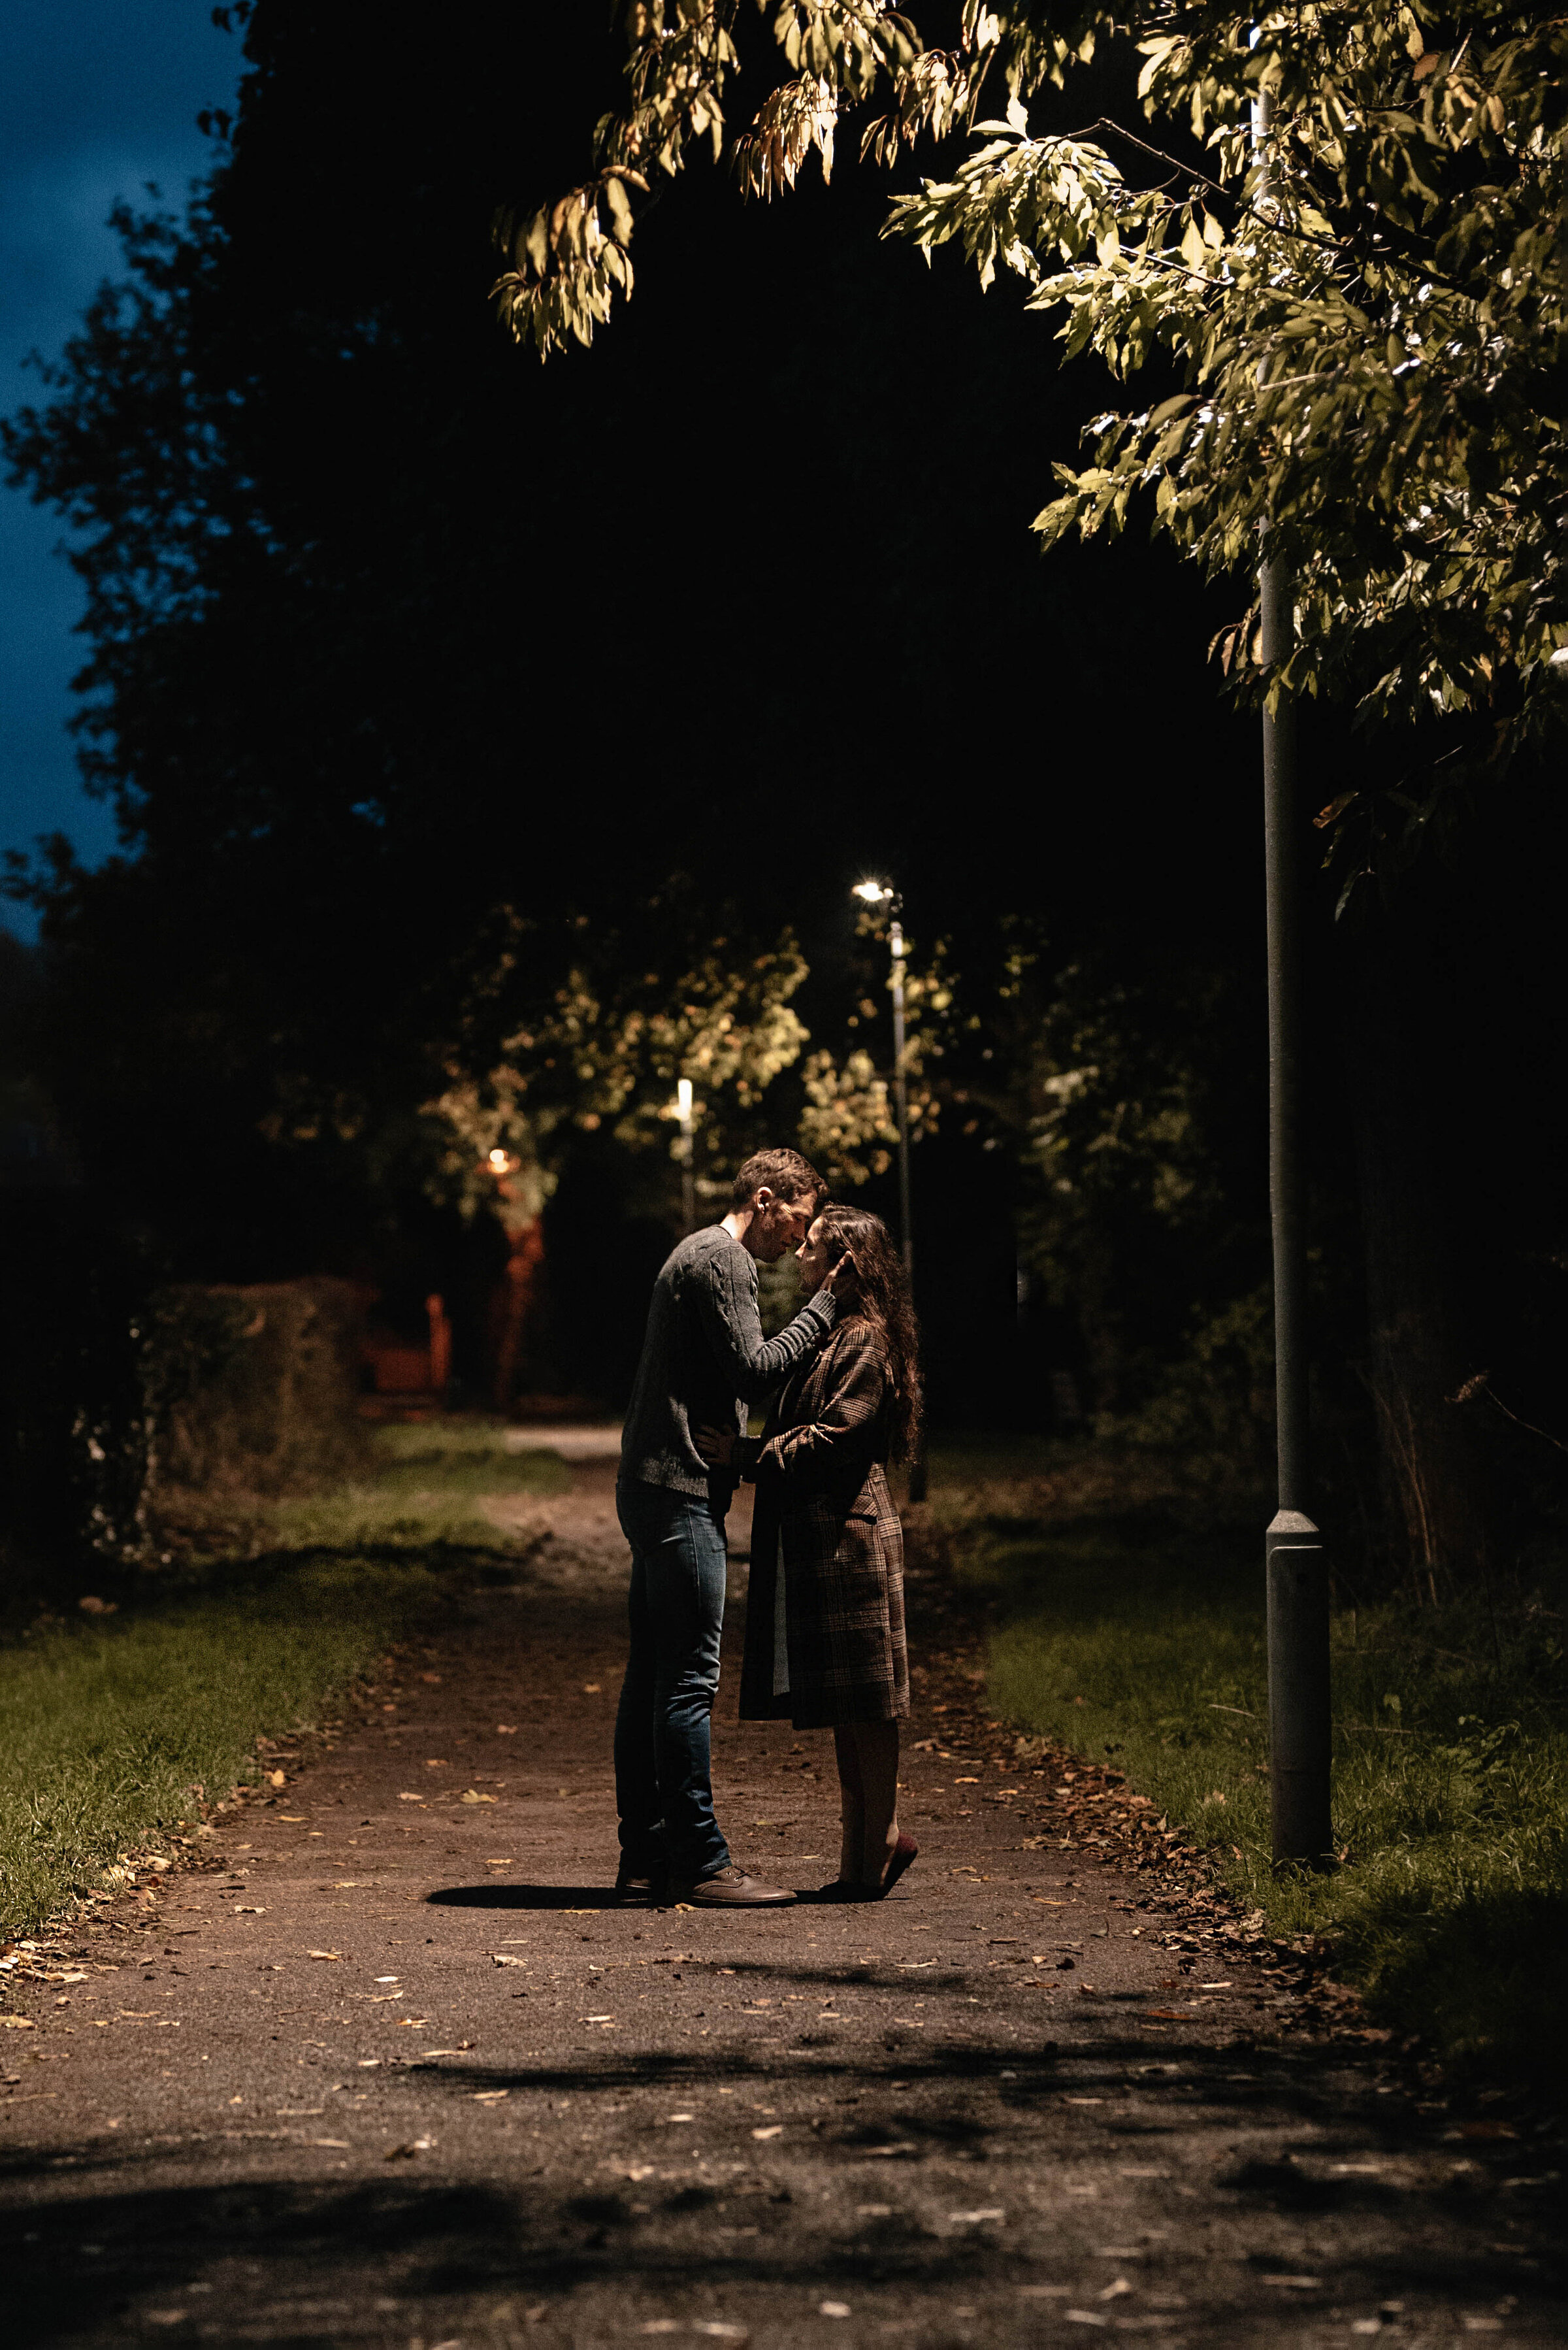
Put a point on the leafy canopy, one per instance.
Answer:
(1341, 228)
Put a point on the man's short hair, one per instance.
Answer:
(784, 1172)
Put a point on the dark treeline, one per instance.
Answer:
(391, 626)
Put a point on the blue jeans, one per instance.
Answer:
(663, 1780)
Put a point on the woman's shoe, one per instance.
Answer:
(899, 1859)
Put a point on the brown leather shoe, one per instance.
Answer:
(730, 1888)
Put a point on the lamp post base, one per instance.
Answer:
(1296, 1566)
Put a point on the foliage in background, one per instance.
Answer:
(1349, 239)
(1106, 1096)
(592, 1026)
(1130, 1632)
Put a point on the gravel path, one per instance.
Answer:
(390, 2068)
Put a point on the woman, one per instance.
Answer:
(824, 1620)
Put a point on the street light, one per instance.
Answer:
(882, 893)
(1295, 1566)
(687, 1176)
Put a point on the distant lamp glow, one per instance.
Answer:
(872, 893)
(499, 1162)
(688, 1168)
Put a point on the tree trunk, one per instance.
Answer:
(1432, 1474)
(514, 1300)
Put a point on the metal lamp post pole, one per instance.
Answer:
(901, 1103)
(688, 1171)
(1297, 1568)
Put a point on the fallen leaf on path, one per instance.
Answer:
(460, 2050)
(501, 1864)
(489, 2096)
(1115, 2292)
(433, 1678)
(506, 1729)
(972, 2219)
(887, 2153)
(278, 1778)
(591, 1689)
(324, 1954)
(411, 2147)
(295, 1819)
(472, 1795)
(774, 2129)
(18, 2022)
(410, 1799)
(503, 1959)
(341, 2142)
(833, 2309)
(249, 1910)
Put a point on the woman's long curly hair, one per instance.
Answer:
(879, 1288)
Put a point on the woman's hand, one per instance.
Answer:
(716, 1445)
(842, 1278)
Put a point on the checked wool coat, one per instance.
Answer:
(823, 1508)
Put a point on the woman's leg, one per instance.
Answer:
(851, 1807)
(876, 1761)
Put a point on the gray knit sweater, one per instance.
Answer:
(705, 1358)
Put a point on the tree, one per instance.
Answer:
(1349, 246)
(564, 1028)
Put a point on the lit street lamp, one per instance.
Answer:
(882, 893)
(688, 1174)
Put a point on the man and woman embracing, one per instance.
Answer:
(824, 1625)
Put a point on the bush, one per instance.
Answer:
(254, 1389)
(120, 1393)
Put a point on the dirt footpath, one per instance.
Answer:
(393, 2069)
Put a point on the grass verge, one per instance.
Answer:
(116, 1729)
(1129, 1635)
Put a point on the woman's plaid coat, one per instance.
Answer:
(822, 1494)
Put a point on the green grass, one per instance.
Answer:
(1136, 1639)
(429, 1490)
(109, 1726)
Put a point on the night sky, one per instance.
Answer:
(96, 98)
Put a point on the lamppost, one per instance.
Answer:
(1295, 1566)
(688, 1172)
(882, 893)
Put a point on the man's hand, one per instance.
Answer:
(716, 1445)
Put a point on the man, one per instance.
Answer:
(704, 1360)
